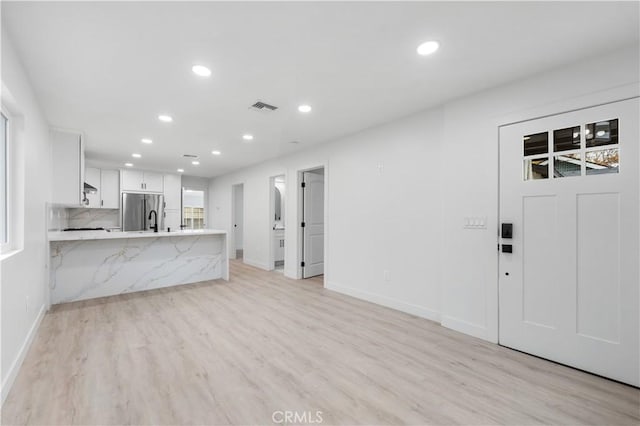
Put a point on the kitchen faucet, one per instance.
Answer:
(154, 227)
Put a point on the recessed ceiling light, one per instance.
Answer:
(136, 155)
(200, 70)
(145, 140)
(165, 118)
(427, 48)
(600, 133)
(180, 170)
(195, 163)
(304, 108)
(216, 152)
(247, 137)
(128, 164)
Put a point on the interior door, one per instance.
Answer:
(238, 213)
(313, 218)
(568, 291)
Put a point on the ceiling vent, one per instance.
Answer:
(262, 106)
(189, 156)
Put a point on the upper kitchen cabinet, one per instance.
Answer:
(68, 167)
(107, 185)
(110, 189)
(141, 181)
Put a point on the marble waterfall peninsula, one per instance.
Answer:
(91, 264)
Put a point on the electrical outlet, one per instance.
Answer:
(380, 168)
(387, 275)
(26, 303)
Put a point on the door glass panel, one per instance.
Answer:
(537, 168)
(566, 139)
(602, 133)
(602, 161)
(566, 165)
(536, 144)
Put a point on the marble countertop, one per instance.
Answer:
(104, 235)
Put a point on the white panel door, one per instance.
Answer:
(92, 177)
(153, 182)
(110, 189)
(313, 231)
(569, 290)
(238, 220)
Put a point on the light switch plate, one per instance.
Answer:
(475, 222)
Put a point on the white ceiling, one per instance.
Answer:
(109, 68)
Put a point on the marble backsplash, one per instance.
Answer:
(94, 218)
(64, 217)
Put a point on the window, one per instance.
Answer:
(583, 150)
(536, 160)
(193, 209)
(4, 187)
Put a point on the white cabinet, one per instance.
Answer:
(173, 191)
(173, 201)
(132, 180)
(278, 245)
(110, 189)
(92, 177)
(140, 181)
(68, 167)
(153, 182)
(107, 184)
(172, 219)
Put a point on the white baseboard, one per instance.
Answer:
(17, 363)
(399, 305)
(465, 327)
(257, 264)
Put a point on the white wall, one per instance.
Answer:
(23, 281)
(438, 166)
(364, 233)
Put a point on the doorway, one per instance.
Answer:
(568, 268)
(237, 219)
(312, 200)
(276, 222)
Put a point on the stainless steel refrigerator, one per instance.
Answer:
(136, 209)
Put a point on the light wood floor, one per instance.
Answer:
(233, 353)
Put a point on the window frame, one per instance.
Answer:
(6, 192)
(190, 222)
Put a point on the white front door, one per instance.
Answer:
(313, 218)
(569, 290)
